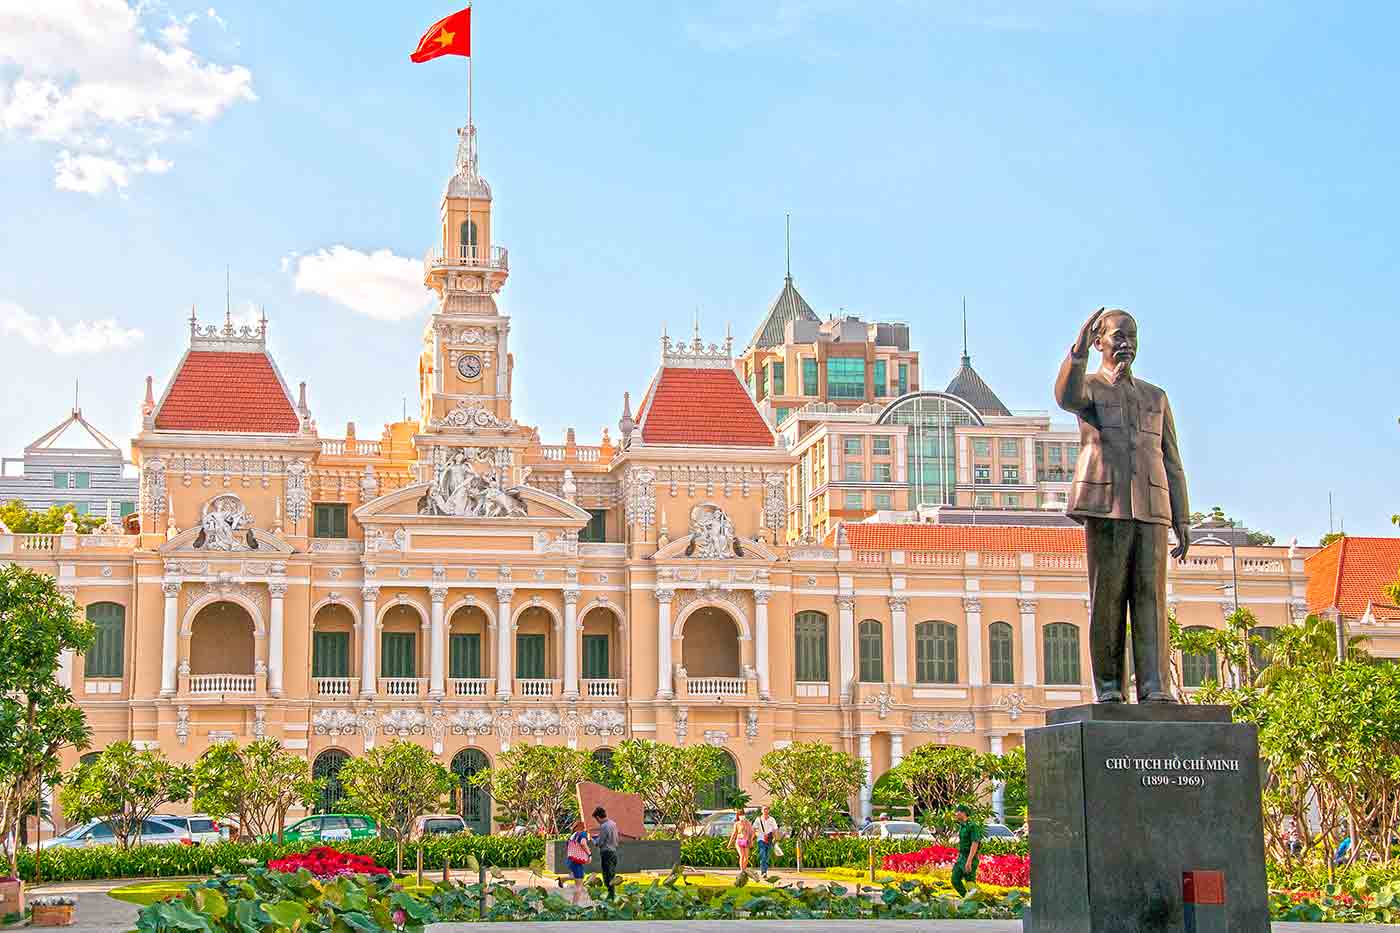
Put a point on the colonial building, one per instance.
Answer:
(72, 464)
(458, 582)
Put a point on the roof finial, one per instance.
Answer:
(77, 409)
(228, 295)
(966, 360)
(788, 250)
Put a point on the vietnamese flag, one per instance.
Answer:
(451, 35)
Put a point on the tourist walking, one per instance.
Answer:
(766, 830)
(969, 842)
(579, 854)
(741, 838)
(607, 848)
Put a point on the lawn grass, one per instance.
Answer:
(145, 893)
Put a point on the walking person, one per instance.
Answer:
(580, 854)
(607, 848)
(766, 829)
(741, 838)
(969, 842)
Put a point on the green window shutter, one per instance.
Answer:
(1196, 669)
(882, 379)
(809, 377)
(903, 378)
(779, 379)
(330, 654)
(529, 657)
(464, 655)
(1003, 667)
(1061, 653)
(872, 652)
(595, 657)
(104, 658)
(810, 634)
(399, 655)
(936, 653)
(332, 520)
(596, 529)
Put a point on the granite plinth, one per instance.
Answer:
(1138, 712)
(637, 855)
(1126, 802)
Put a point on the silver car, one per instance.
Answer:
(895, 829)
(154, 831)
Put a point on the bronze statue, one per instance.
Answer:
(1129, 487)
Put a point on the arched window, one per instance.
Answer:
(716, 796)
(472, 802)
(810, 634)
(468, 239)
(327, 765)
(1003, 664)
(1061, 653)
(935, 653)
(1196, 669)
(872, 652)
(1260, 638)
(104, 658)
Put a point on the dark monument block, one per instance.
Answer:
(632, 855)
(1133, 808)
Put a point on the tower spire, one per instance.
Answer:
(788, 246)
(966, 360)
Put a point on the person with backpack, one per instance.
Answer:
(579, 855)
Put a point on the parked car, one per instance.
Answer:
(203, 829)
(895, 829)
(843, 825)
(331, 827)
(720, 823)
(438, 824)
(998, 831)
(154, 831)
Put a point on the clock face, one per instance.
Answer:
(469, 366)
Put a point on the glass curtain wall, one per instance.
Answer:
(930, 450)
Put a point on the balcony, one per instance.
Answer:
(1258, 565)
(562, 453)
(609, 689)
(335, 686)
(36, 543)
(719, 688)
(468, 257)
(349, 447)
(469, 686)
(403, 686)
(536, 687)
(210, 684)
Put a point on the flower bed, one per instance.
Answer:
(1007, 871)
(325, 862)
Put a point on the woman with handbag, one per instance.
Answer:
(579, 854)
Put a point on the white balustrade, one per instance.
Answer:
(998, 561)
(335, 447)
(717, 686)
(1059, 561)
(223, 683)
(472, 257)
(403, 686)
(1198, 564)
(602, 689)
(336, 686)
(1260, 565)
(38, 542)
(469, 686)
(936, 558)
(870, 557)
(534, 687)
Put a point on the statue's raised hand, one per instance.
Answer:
(1088, 333)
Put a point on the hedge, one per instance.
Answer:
(166, 861)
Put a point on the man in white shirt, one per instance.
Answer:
(765, 828)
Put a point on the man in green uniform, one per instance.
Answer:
(969, 842)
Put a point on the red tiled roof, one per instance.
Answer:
(701, 406)
(869, 536)
(226, 391)
(1348, 574)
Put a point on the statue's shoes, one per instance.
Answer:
(1112, 696)
(1157, 696)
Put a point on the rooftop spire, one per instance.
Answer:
(966, 360)
(788, 249)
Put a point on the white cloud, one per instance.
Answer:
(65, 339)
(85, 75)
(379, 284)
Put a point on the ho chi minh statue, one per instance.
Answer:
(1129, 488)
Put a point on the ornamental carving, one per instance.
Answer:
(153, 485)
(682, 725)
(538, 722)
(468, 417)
(260, 723)
(971, 605)
(1012, 704)
(604, 722)
(227, 587)
(225, 525)
(751, 725)
(369, 484)
(404, 722)
(639, 496)
(883, 703)
(504, 725)
(334, 722)
(459, 489)
(942, 723)
(472, 722)
(182, 724)
(898, 603)
(716, 737)
(295, 490)
(775, 502)
(712, 534)
(1027, 606)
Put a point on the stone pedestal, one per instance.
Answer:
(633, 855)
(1131, 802)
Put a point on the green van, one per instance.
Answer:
(331, 827)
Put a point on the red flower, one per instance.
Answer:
(325, 862)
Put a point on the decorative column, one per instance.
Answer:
(899, 639)
(170, 638)
(571, 644)
(999, 788)
(972, 610)
(274, 639)
(865, 786)
(369, 629)
(437, 644)
(760, 644)
(65, 668)
(847, 653)
(664, 691)
(1029, 675)
(896, 749)
(504, 594)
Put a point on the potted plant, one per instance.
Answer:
(52, 911)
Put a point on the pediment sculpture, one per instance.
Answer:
(225, 525)
(712, 535)
(462, 490)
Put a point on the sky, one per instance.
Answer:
(1224, 170)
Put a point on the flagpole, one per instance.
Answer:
(471, 145)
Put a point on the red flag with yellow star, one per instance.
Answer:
(451, 35)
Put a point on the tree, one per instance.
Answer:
(1217, 516)
(124, 786)
(534, 784)
(1330, 537)
(670, 779)
(396, 784)
(38, 719)
(22, 520)
(810, 785)
(940, 777)
(258, 784)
